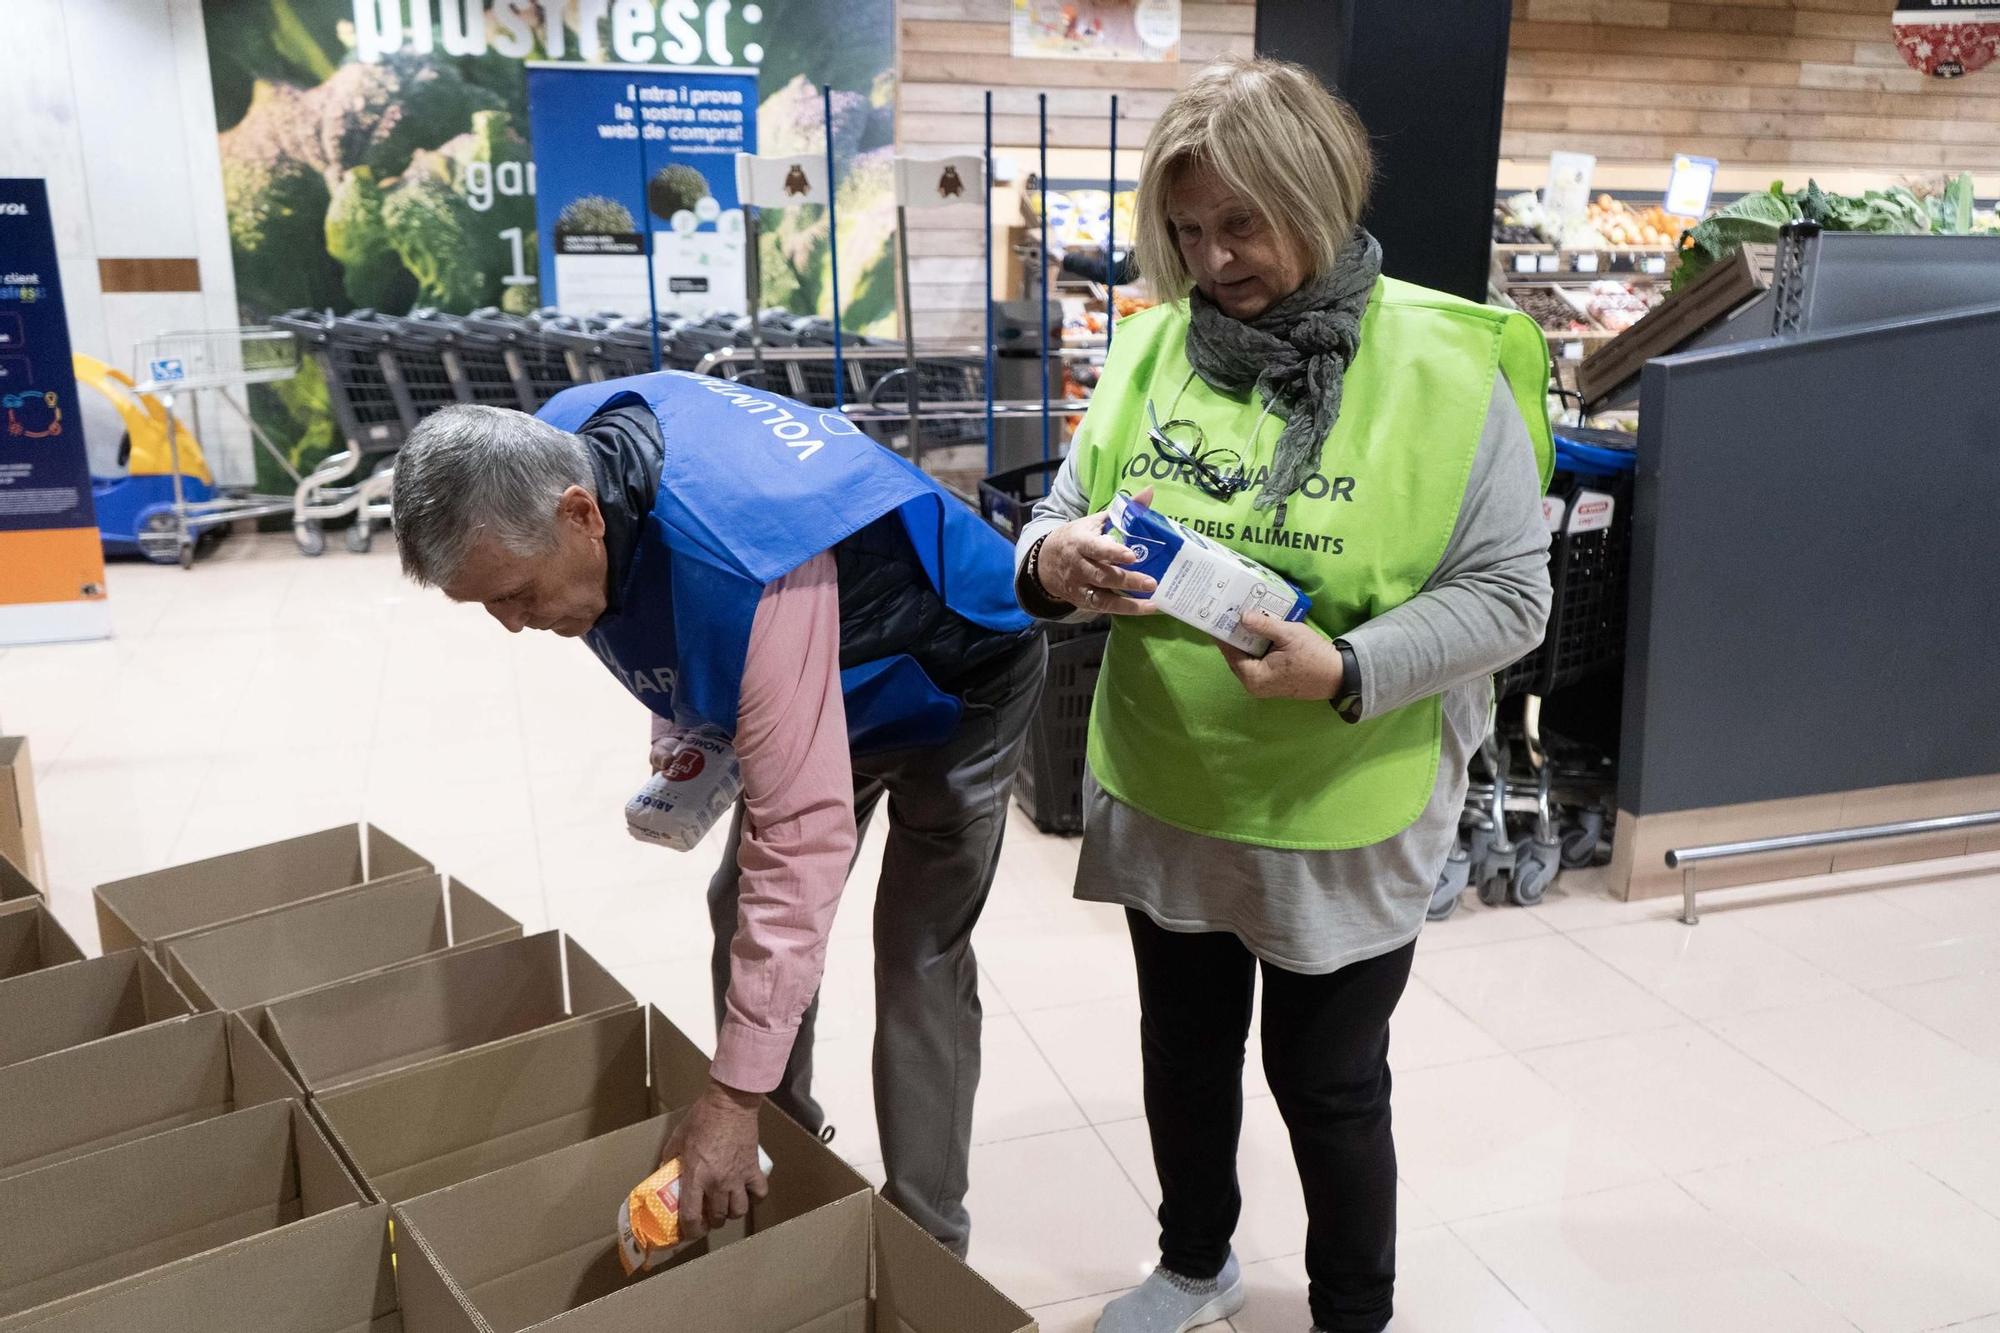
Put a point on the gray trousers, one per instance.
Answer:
(947, 815)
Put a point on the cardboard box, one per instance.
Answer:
(32, 939)
(419, 1130)
(324, 1274)
(153, 908)
(16, 889)
(88, 1098)
(60, 1007)
(392, 1020)
(20, 827)
(523, 1247)
(257, 959)
(79, 1224)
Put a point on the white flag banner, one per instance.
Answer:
(927, 182)
(781, 182)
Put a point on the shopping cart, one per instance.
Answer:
(373, 409)
(536, 364)
(1558, 793)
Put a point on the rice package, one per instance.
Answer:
(1201, 582)
(679, 804)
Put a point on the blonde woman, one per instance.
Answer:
(1383, 447)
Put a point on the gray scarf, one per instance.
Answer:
(1296, 354)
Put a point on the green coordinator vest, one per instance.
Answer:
(1172, 731)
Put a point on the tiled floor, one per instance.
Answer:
(1785, 1119)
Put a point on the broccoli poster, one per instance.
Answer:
(376, 153)
(630, 154)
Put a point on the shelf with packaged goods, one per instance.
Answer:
(1548, 263)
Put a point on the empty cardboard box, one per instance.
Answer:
(79, 1224)
(88, 1098)
(60, 1007)
(397, 1019)
(257, 959)
(20, 827)
(324, 1274)
(32, 939)
(16, 889)
(536, 1242)
(461, 1116)
(153, 908)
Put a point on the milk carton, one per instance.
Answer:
(679, 804)
(1203, 583)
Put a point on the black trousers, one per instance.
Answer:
(1326, 1055)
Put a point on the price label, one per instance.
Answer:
(1548, 263)
(1524, 263)
(1586, 263)
(1572, 351)
(1656, 264)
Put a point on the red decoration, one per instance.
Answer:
(1946, 44)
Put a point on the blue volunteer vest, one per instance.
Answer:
(752, 486)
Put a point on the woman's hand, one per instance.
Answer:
(1081, 565)
(1300, 665)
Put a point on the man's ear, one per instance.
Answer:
(578, 507)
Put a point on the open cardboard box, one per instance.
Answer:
(32, 939)
(16, 889)
(288, 950)
(60, 1007)
(325, 1274)
(459, 1117)
(95, 1219)
(852, 1266)
(20, 826)
(393, 1020)
(88, 1098)
(153, 908)
(535, 1243)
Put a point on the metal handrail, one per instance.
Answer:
(1685, 859)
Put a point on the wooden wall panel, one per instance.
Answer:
(951, 52)
(1784, 87)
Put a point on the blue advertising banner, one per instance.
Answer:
(51, 564)
(630, 153)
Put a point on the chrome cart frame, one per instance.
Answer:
(211, 360)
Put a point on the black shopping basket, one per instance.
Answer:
(1049, 785)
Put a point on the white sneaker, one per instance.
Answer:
(1169, 1303)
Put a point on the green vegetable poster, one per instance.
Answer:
(375, 153)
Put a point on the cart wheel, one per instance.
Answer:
(1579, 845)
(159, 535)
(311, 538)
(1451, 884)
(360, 537)
(1535, 868)
(187, 555)
(1487, 872)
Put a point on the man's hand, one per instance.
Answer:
(664, 748)
(717, 1145)
(1081, 565)
(1300, 665)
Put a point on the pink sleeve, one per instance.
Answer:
(798, 827)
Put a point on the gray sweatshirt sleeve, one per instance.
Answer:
(1488, 600)
(1065, 503)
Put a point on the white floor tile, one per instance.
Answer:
(1718, 968)
(1273, 1221)
(1963, 1154)
(1685, 1098)
(1427, 1031)
(1077, 1316)
(1540, 992)
(1960, 903)
(1965, 1009)
(1873, 1066)
(1876, 1238)
(1488, 1135)
(1083, 955)
(1095, 1051)
(1644, 1259)
(1441, 1287)
(1866, 939)
(1055, 1219)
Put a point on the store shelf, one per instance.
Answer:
(1546, 263)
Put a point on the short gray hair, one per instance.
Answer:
(469, 469)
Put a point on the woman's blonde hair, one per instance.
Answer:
(1293, 151)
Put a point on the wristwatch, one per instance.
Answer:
(1347, 700)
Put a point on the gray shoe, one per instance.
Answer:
(1169, 1303)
